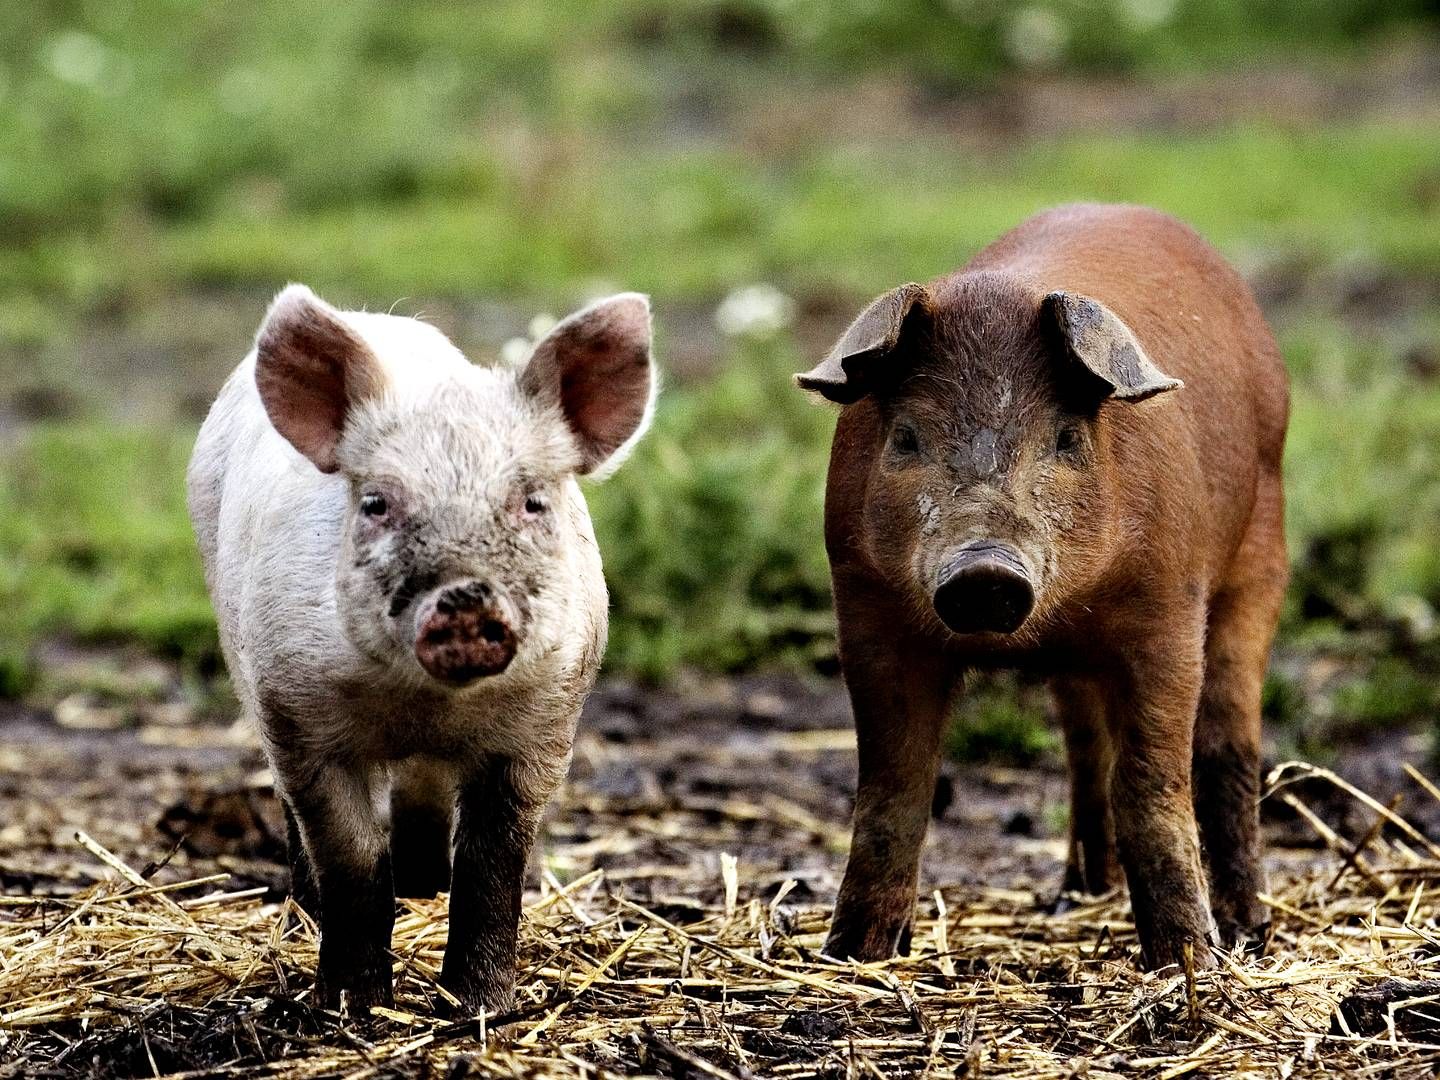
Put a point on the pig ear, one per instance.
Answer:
(595, 366)
(311, 369)
(857, 360)
(1093, 335)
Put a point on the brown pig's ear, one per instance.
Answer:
(856, 362)
(311, 369)
(1093, 335)
(596, 367)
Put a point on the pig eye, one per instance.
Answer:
(903, 440)
(1068, 441)
(373, 505)
(535, 505)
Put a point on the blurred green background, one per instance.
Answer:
(761, 167)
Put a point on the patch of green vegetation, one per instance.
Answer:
(712, 531)
(953, 43)
(1391, 693)
(509, 147)
(1281, 701)
(94, 543)
(1361, 462)
(1002, 719)
(688, 223)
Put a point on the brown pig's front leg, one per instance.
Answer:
(347, 853)
(1153, 705)
(495, 827)
(900, 692)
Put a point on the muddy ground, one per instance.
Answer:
(761, 768)
(665, 784)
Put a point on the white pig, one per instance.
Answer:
(411, 605)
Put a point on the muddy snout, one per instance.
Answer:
(984, 588)
(465, 633)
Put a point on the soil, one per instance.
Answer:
(665, 787)
(761, 768)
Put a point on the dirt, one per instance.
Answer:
(664, 786)
(761, 768)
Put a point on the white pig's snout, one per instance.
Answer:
(465, 631)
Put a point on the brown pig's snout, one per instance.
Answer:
(984, 588)
(465, 633)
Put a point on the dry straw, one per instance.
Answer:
(192, 978)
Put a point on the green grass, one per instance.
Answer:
(712, 539)
(94, 544)
(853, 218)
(509, 146)
(1001, 718)
(711, 533)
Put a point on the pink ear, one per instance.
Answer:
(311, 369)
(596, 366)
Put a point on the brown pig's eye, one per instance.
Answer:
(904, 440)
(373, 505)
(1068, 441)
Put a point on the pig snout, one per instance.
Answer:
(466, 633)
(984, 588)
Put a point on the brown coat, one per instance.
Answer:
(1065, 457)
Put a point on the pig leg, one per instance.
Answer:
(350, 859)
(1152, 705)
(901, 693)
(494, 830)
(302, 875)
(1227, 732)
(1092, 866)
(422, 803)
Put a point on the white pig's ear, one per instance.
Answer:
(311, 369)
(1098, 340)
(861, 360)
(596, 367)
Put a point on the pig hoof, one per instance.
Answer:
(1251, 940)
(492, 1001)
(1173, 956)
(1064, 903)
(867, 944)
(355, 992)
(355, 1003)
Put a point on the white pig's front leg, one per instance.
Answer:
(495, 828)
(349, 853)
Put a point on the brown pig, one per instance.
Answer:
(1065, 458)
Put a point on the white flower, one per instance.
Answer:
(1149, 14)
(756, 311)
(1417, 615)
(541, 325)
(1036, 37)
(516, 351)
(84, 60)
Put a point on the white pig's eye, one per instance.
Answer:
(534, 505)
(373, 505)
